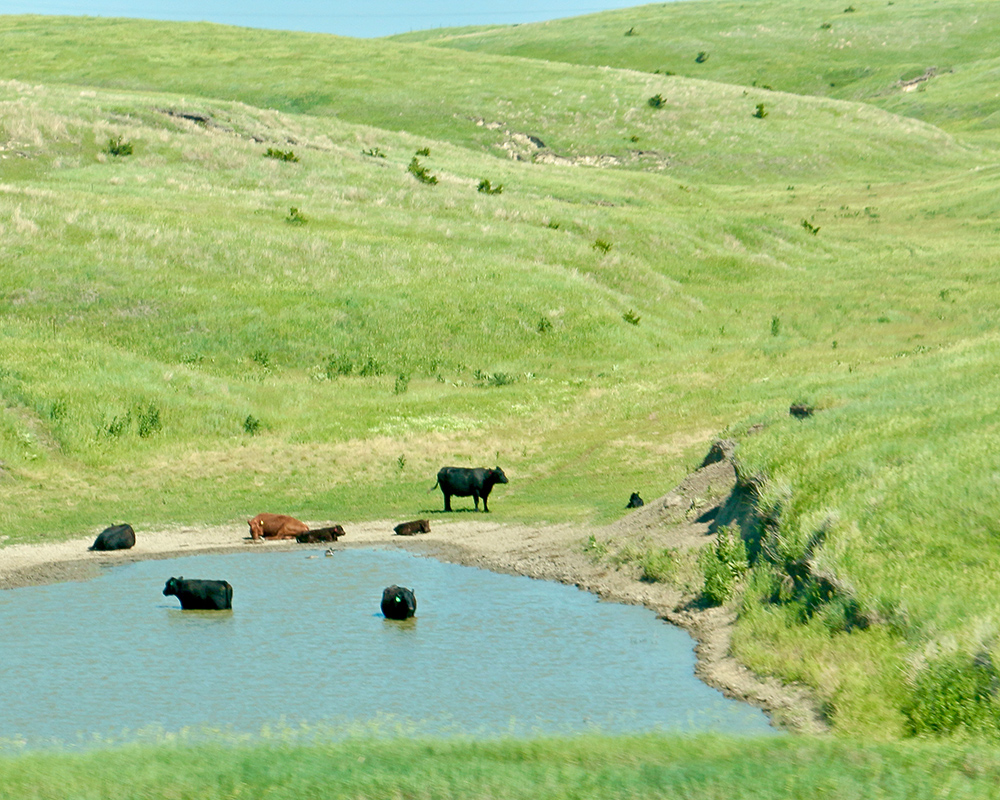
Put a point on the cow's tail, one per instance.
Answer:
(435, 486)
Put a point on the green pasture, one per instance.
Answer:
(589, 766)
(195, 332)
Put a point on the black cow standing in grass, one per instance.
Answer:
(462, 482)
(117, 537)
(201, 595)
(635, 501)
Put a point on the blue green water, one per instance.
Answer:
(306, 645)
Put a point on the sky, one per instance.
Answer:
(367, 19)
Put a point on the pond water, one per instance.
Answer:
(305, 645)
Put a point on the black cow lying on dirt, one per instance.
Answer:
(117, 537)
(635, 501)
(330, 534)
(462, 482)
(398, 603)
(199, 594)
(410, 528)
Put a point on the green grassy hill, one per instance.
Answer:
(195, 332)
(875, 52)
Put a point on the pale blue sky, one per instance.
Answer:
(365, 19)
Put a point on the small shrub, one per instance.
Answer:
(402, 383)
(338, 365)
(261, 357)
(487, 188)
(656, 101)
(371, 367)
(952, 694)
(601, 245)
(148, 421)
(723, 564)
(813, 229)
(118, 147)
(374, 152)
(553, 225)
(501, 379)
(544, 325)
(702, 57)
(251, 425)
(761, 112)
(419, 171)
(424, 151)
(775, 326)
(595, 549)
(631, 32)
(119, 425)
(295, 217)
(826, 26)
(850, 10)
(658, 565)
(631, 317)
(281, 155)
(401, 462)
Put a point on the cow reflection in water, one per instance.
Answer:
(201, 594)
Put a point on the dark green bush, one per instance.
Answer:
(487, 188)
(149, 421)
(760, 113)
(374, 152)
(419, 171)
(424, 151)
(118, 147)
(656, 101)
(955, 693)
(402, 383)
(251, 425)
(295, 217)
(601, 245)
(702, 57)
(631, 317)
(813, 229)
(281, 155)
(338, 365)
(723, 564)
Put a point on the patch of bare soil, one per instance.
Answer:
(683, 518)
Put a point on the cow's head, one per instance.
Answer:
(256, 528)
(497, 475)
(172, 585)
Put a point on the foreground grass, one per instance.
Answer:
(628, 767)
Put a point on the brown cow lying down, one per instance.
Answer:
(330, 534)
(275, 526)
(410, 528)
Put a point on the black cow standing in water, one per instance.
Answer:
(398, 602)
(117, 537)
(201, 595)
(463, 482)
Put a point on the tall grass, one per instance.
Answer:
(590, 766)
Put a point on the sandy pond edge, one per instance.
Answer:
(546, 552)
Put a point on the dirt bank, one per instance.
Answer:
(550, 552)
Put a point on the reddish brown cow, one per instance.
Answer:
(275, 526)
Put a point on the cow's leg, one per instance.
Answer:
(485, 509)
(447, 501)
(475, 498)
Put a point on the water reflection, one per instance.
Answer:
(305, 643)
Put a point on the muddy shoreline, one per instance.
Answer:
(551, 552)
